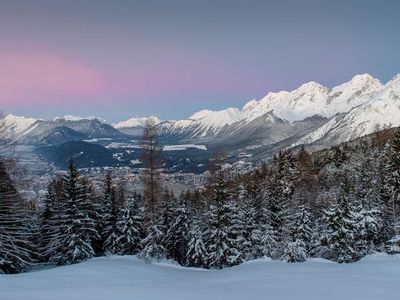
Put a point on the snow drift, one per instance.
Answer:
(374, 277)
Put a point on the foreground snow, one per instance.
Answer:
(119, 278)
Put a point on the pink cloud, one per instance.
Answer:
(31, 77)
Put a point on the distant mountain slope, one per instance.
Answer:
(82, 153)
(308, 100)
(62, 129)
(380, 111)
(311, 114)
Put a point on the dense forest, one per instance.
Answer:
(339, 204)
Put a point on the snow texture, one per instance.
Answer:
(126, 277)
(136, 122)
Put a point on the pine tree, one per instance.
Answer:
(165, 221)
(251, 239)
(295, 251)
(15, 254)
(301, 231)
(367, 229)
(50, 221)
(179, 232)
(221, 243)
(392, 179)
(269, 241)
(197, 253)
(78, 229)
(110, 213)
(393, 245)
(340, 231)
(278, 194)
(130, 229)
(158, 244)
(152, 244)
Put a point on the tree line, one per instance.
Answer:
(339, 204)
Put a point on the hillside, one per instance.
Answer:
(121, 278)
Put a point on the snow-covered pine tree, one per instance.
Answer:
(302, 228)
(278, 194)
(78, 229)
(251, 239)
(340, 229)
(165, 220)
(367, 229)
(15, 254)
(393, 245)
(197, 253)
(295, 251)
(221, 243)
(386, 226)
(300, 235)
(130, 228)
(110, 213)
(178, 233)
(367, 198)
(50, 221)
(301, 231)
(269, 242)
(152, 244)
(157, 243)
(392, 179)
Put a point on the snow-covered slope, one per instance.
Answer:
(125, 278)
(314, 99)
(309, 114)
(32, 131)
(12, 126)
(77, 118)
(136, 122)
(308, 100)
(382, 110)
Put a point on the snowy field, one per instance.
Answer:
(375, 277)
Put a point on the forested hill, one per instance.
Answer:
(340, 204)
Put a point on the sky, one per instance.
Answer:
(118, 58)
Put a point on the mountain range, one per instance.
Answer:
(312, 114)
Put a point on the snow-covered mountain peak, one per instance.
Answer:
(310, 87)
(226, 116)
(18, 123)
(137, 122)
(14, 125)
(360, 78)
(358, 90)
(250, 105)
(77, 118)
(200, 114)
(361, 83)
(395, 82)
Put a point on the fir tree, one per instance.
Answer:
(152, 244)
(301, 232)
(392, 179)
(50, 221)
(179, 231)
(221, 243)
(15, 254)
(278, 192)
(295, 251)
(340, 231)
(78, 229)
(110, 213)
(197, 253)
(130, 229)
